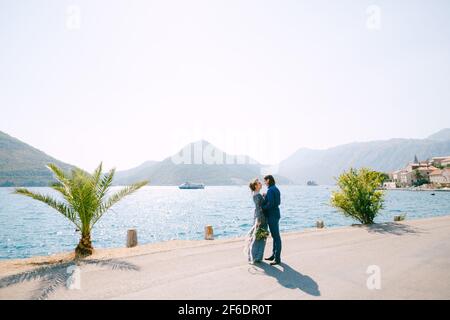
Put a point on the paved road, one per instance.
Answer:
(408, 260)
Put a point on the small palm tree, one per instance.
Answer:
(85, 197)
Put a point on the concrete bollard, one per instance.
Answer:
(209, 234)
(132, 238)
(319, 224)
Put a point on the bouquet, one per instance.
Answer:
(261, 234)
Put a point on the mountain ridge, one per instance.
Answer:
(215, 170)
(441, 135)
(24, 165)
(383, 155)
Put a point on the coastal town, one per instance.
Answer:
(433, 173)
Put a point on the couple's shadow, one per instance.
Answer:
(290, 278)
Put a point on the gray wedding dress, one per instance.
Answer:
(256, 247)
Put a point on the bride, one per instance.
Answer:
(256, 237)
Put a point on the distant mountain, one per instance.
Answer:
(136, 173)
(198, 162)
(23, 165)
(442, 135)
(387, 155)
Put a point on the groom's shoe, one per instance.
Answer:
(274, 263)
(270, 258)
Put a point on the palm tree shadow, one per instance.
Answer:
(292, 279)
(52, 277)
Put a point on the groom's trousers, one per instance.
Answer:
(274, 227)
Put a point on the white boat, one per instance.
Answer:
(189, 185)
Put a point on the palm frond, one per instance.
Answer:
(61, 188)
(104, 184)
(98, 173)
(58, 172)
(83, 198)
(61, 207)
(117, 197)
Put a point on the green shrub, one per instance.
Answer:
(358, 196)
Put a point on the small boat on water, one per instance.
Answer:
(311, 183)
(189, 185)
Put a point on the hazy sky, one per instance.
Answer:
(129, 81)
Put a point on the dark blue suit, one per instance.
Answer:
(272, 212)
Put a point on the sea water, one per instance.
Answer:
(30, 228)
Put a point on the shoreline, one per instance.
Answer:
(316, 264)
(12, 266)
(411, 189)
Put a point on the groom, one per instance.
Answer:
(272, 213)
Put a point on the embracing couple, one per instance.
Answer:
(267, 216)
